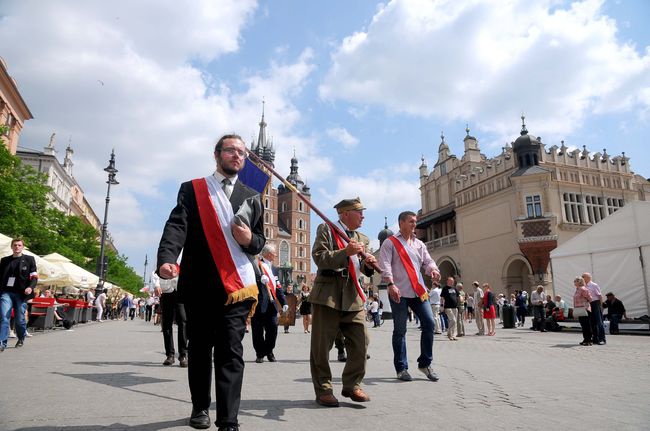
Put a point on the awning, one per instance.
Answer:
(442, 214)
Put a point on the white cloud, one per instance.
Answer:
(99, 73)
(487, 61)
(342, 136)
(377, 190)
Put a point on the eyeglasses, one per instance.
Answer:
(231, 151)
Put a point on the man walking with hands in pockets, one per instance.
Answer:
(403, 258)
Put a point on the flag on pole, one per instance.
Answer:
(254, 177)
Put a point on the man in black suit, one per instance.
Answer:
(213, 243)
(18, 278)
(265, 320)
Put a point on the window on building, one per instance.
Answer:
(613, 204)
(266, 203)
(302, 266)
(266, 217)
(573, 208)
(300, 206)
(300, 224)
(533, 206)
(301, 238)
(443, 169)
(284, 206)
(595, 208)
(284, 252)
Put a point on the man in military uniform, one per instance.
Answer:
(337, 304)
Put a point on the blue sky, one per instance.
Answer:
(360, 90)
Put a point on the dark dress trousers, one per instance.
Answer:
(212, 326)
(264, 324)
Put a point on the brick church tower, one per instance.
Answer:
(286, 216)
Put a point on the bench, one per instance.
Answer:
(42, 313)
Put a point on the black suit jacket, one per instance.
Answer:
(264, 305)
(26, 266)
(199, 281)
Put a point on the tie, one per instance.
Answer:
(349, 233)
(226, 187)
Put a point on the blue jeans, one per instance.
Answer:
(9, 300)
(400, 312)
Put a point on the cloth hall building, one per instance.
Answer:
(497, 219)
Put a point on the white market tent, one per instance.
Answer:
(48, 274)
(74, 275)
(616, 251)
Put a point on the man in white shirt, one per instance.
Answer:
(537, 299)
(434, 298)
(403, 259)
(596, 319)
(478, 308)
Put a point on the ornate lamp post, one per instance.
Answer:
(101, 264)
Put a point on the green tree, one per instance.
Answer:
(24, 212)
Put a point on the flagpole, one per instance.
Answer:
(326, 219)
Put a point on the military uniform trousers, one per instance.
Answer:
(326, 323)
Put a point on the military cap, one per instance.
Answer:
(349, 205)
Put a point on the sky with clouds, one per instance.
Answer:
(359, 90)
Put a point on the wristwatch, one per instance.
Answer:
(390, 284)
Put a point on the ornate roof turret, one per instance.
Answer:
(526, 147)
(294, 178)
(384, 233)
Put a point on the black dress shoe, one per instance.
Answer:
(20, 343)
(200, 419)
(229, 428)
(341, 357)
(169, 360)
(271, 357)
(182, 361)
(259, 360)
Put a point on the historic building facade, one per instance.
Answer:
(13, 109)
(66, 195)
(286, 216)
(497, 219)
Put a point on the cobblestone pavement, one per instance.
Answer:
(109, 377)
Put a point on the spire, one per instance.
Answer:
(467, 130)
(385, 222)
(263, 148)
(524, 131)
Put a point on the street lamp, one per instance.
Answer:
(101, 264)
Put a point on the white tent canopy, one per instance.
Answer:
(48, 273)
(616, 251)
(75, 275)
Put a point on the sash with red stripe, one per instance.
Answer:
(352, 269)
(235, 270)
(270, 285)
(416, 282)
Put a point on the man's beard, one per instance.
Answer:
(229, 171)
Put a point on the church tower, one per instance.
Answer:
(294, 224)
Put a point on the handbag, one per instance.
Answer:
(579, 312)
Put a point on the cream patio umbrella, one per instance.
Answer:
(49, 274)
(75, 275)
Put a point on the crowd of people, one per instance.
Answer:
(217, 223)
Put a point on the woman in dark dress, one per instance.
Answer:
(305, 307)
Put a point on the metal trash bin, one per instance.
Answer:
(508, 316)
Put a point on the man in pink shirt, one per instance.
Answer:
(597, 327)
(403, 259)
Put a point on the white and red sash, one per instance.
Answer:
(216, 214)
(410, 261)
(352, 268)
(270, 281)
